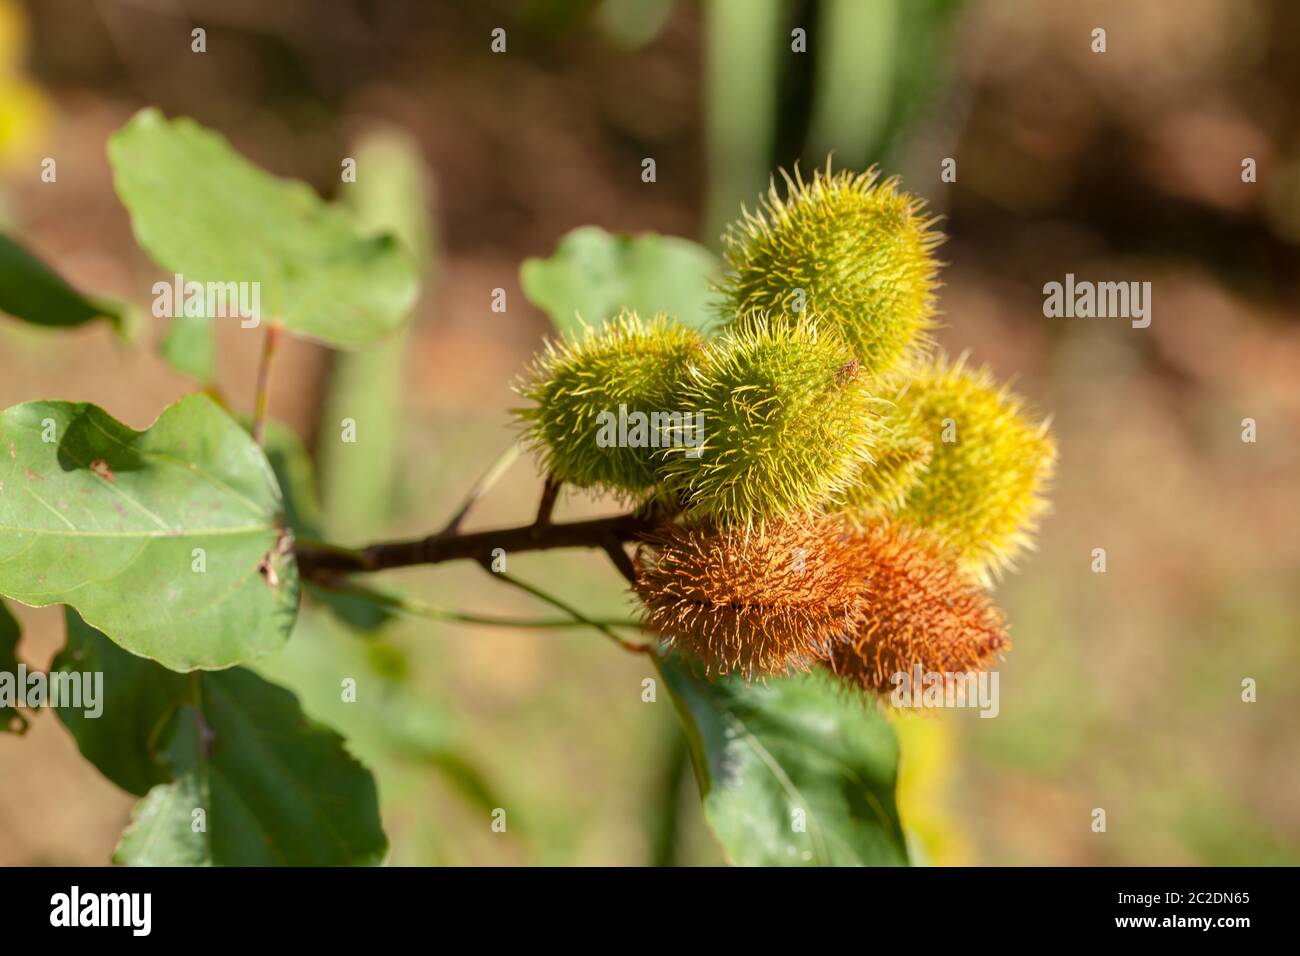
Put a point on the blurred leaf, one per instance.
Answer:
(464, 777)
(663, 822)
(275, 788)
(553, 16)
(593, 274)
(391, 194)
(202, 211)
(763, 753)
(365, 616)
(11, 721)
(31, 291)
(190, 347)
(111, 520)
(633, 23)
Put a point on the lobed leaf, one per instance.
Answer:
(794, 772)
(11, 720)
(33, 292)
(190, 347)
(203, 211)
(169, 540)
(593, 275)
(273, 787)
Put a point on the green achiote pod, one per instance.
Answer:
(982, 489)
(789, 419)
(606, 403)
(853, 251)
(881, 486)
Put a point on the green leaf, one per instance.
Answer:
(633, 23)
(204, 212)
(763, 753)
(296, 478)
(31, 291)
(11, 721)
(391, 193)
(190, 347)
(274, 787)
(593, 274)
(138, 700)
(168, 540)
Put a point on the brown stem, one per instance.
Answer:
(614, 548)
(315, 560)
(546, 507)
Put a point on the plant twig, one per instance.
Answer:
(262, 397)
(324, 563)
(481, 487)
(614, 548)
(546, 507)
(555, 602)
(414, 606)
(314, 560)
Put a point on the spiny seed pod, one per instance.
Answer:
(757, 602)
(882, 486)
(789, 420)
(982, 490)
(603, 402)
(852, 250)
(919, 612)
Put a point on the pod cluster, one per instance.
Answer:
(833, 492)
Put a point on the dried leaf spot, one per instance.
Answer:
(277, 554)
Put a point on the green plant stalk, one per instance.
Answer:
(358, 481)
(744, 39)
(855, 80)
(262, 397)
(418, 608)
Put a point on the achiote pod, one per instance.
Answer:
(882, 485)
(918, 612)
(848, 248)
(789, 419)
(606, 402)
(760, 601)
(982, 491)
(868, 602)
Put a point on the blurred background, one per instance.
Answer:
(1124, 688)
